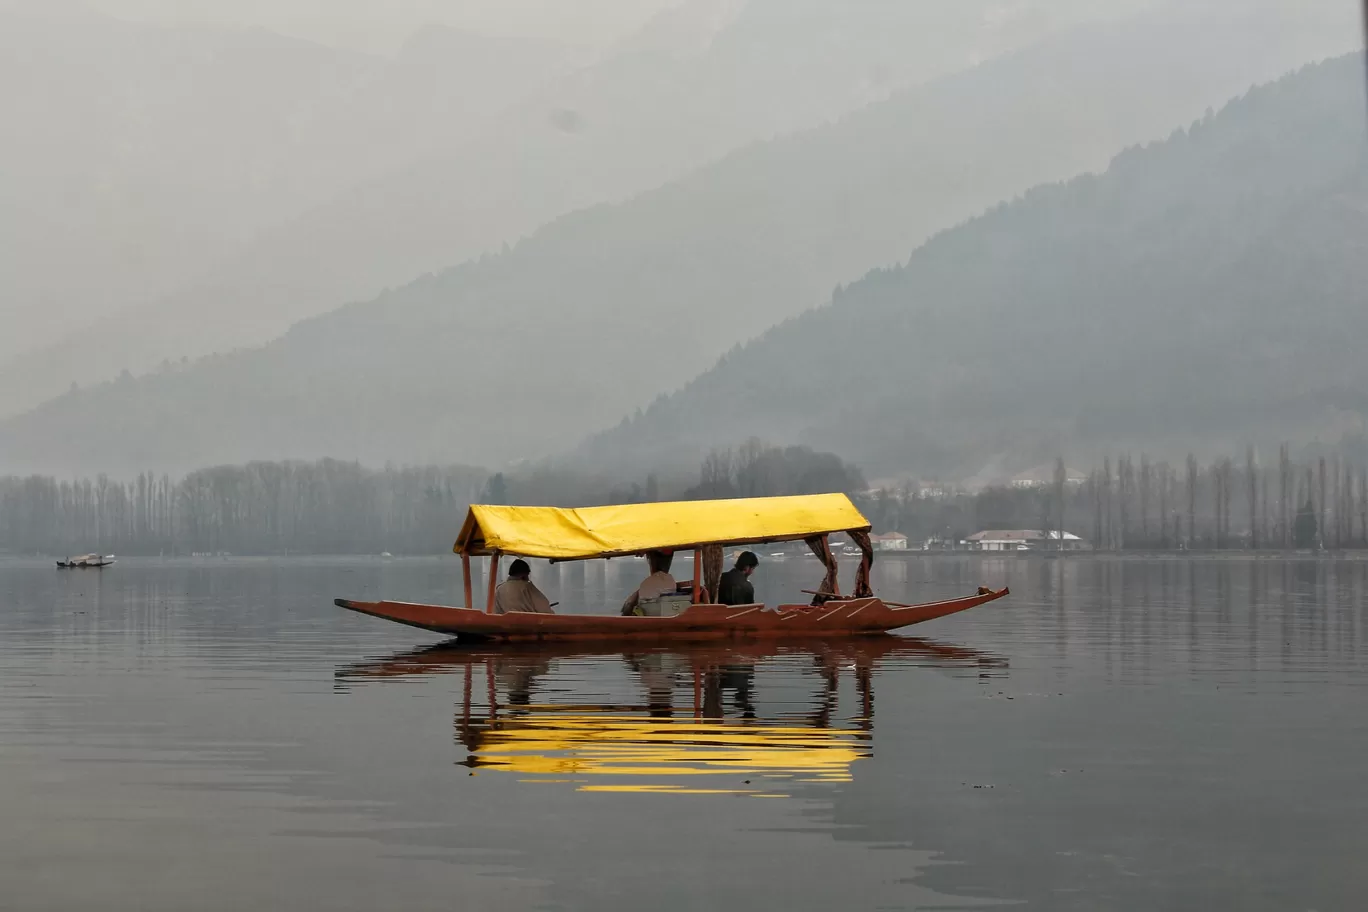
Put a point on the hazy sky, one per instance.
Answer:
(379, 25)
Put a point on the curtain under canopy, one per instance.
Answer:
(712, 569)
(828, 590)
(861, 540)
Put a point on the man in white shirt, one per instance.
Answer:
(654, 586)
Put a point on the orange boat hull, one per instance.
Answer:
(847, 617)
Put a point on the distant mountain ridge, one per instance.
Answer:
(472, 365)
(137, 156)
(395, 168)
(1204, 293)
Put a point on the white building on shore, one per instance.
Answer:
(1023, 540)
(1043, 477)
(889, 541)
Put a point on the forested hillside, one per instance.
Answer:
(1203, 292)
(601, 311)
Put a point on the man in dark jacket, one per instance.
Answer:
(735, 587)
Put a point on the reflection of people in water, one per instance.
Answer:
(739, 678)
(827, 666)
(654, 586)
(716, 683)
(519, 593)
(662, 673)
(659, 673)
(516, 677)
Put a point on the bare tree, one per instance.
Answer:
(1264, 534)
(1227, 475)
(1285, 497)
(1095, 489)
(715, 477)
(1046, 524)
(1320, 502)
(1124, 481)
(1345, 524)
(1192, 499)
(1146, 481)
(1061, 479)
(1218, 472)
(1107, 503)
(1252, 481)
(1336, 503)
(1164, 481)
(747, 468)
(1363, 507)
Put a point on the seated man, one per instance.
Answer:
(519, 593)
(735, 587)
(654, 586)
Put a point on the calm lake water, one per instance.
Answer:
(1118, 734)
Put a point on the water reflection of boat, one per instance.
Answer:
(691, 720)
(703, 527)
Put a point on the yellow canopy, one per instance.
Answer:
(586, 532)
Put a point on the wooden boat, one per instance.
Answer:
(702, 527)
(86, 561)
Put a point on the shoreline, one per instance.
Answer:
(25, 560)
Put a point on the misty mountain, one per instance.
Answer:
(521, 354)
(119, 181)
(136, 156)
(1205, 292)
(280, 180)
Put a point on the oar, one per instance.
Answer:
(885, 601)
(845, 597)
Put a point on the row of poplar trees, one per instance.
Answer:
(1222, 505)
(325, 507)
(1140, 504)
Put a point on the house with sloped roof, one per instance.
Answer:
(1024, 540)
(889, 541)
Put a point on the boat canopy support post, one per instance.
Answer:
(465, 572)
(493, 581)
(698, 569)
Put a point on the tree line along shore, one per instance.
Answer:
(1317, 502)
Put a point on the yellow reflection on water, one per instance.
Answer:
(542, 741)
(676, 721)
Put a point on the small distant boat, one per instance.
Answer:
(86, 560)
